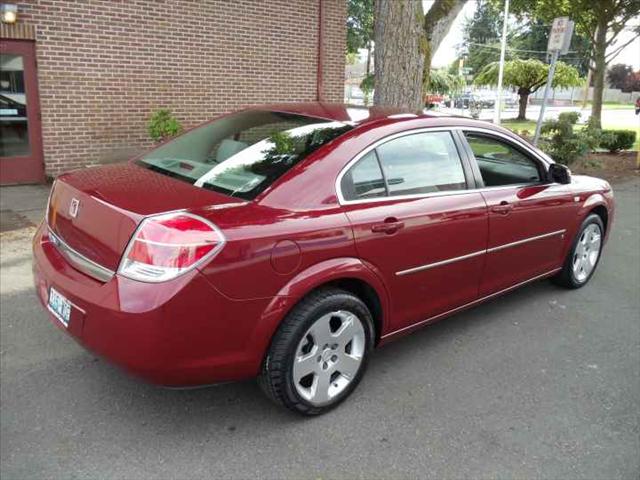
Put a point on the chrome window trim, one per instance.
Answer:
(440, 263)
(79, 261)
(474, 302)
(529, 149)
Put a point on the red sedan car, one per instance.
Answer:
(287, 241)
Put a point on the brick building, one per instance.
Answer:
(102, 67)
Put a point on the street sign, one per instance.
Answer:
(559, 41)
(560, 35)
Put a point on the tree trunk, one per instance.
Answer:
(368, 68)
(522, 104)
(399, 54)
(437, 23)
(600, 66)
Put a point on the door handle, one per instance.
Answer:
(503, 209)
(389, 226)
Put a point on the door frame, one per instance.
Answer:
(30, 168)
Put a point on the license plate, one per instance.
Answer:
(59, 306)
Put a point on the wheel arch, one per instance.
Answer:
(350, 274)
(597, 204)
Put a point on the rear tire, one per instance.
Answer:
(319, 353)
(584, 256)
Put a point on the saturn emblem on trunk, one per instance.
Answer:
(73, 207)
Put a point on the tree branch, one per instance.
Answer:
(611, 55)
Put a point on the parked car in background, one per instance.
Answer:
(468, 99)
(434, 100)
(285, 242)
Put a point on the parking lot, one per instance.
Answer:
(542, 382)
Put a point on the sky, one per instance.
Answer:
(446, 53)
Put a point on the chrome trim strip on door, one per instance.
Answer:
(79, 261)
(525, 240)
(466, 305)
(480, 252)
(440, 263)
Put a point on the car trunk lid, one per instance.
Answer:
(95, 211)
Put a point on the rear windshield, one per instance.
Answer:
(241, 154)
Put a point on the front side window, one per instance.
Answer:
(242, 154)
(500, 163)
(421, 163)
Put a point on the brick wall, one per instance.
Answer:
(104, 66)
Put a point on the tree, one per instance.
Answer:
(445, 83)
(602, 21)
(360, 28)
(529, 40)
(633, 83)
(404, 39)
(617, 75)
(399, 53)
(527, 76)
(482, 35)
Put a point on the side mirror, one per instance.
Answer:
(558, 173)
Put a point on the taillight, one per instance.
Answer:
(166, 246)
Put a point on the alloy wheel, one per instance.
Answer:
(586, 253)
(328, 357)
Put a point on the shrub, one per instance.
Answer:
(616, 140)
(163, 125)
(560, 140)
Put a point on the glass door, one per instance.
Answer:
(20, 133)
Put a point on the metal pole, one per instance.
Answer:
(547, 87)
(498, 103)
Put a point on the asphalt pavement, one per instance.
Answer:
(540, 383)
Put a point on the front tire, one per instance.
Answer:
(319, 353)
(584, 255)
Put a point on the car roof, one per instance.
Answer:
(358, 115)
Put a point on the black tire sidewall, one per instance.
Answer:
(337, 301)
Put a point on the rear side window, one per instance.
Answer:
(422, 163)
(413, 164)
(242, 154)
(364, 180)
(500, 163)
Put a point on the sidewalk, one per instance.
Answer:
(22, 206)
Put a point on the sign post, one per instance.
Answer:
(498, 103)
(559, 41)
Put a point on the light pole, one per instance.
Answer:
(503, 48)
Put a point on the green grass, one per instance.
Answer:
(518, 125)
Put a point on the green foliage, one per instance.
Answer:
(163, 125)
(529, 75)
(482, 37)
(616, 140)
(367, 85)
(444, 83)
(561, 141)
(530, 37)
(359, 24)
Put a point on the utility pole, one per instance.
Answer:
(498, 103)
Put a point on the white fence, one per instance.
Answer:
(576, 94)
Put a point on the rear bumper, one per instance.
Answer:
(178, 333)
